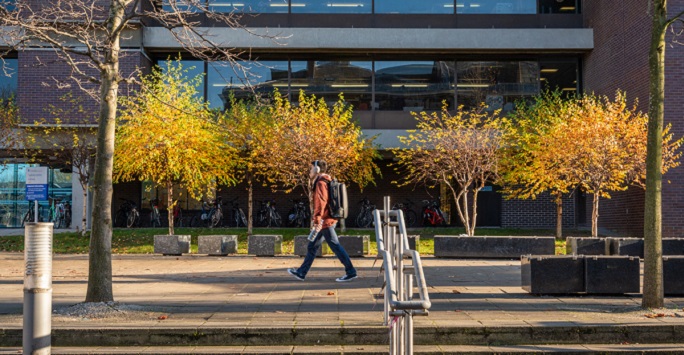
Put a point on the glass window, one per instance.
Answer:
(559, 6)
(413, 86)
(497, 84)
(181, 5)
(496, 6)
(332, 6)
(251, 6)
(193, 67)
(254, 77)
(328, 79)
(9, 5)
(8, 78)
(414, 7)
(559, 74)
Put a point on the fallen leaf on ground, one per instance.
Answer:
(456, 291)
(331, 293)
(163, 317)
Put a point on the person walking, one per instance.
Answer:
(324, 227)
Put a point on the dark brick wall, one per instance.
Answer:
(539, 213)
(43, 79)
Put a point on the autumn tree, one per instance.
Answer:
(653, 248)
(533, 162)
(9, 116)
(249, 124)
(87, 35)
(312, 130)
(168, 135)
(460, 150)
(71, 145)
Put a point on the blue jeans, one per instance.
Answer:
(334, 243)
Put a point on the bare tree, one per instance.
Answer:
(87, 35)
(653, 248)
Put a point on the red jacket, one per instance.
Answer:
(320, 201)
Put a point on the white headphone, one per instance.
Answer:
(317, 169)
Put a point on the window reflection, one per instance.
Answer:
(8, 78)
(332, 6)
(414, 7)
(327, 79)
(250, 6)
(244, 81)
(559, 6)
(497, 84)
(9, 5)
(413, 86)
(496, 6)
(193, 67)
(180, 5)
(559, 74)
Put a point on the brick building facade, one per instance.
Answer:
(598, 46)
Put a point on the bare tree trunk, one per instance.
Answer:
(595, 215)
(100, 260)
(653, 296)
(471, 232)
(169, 204)
(466, 214)
(84, 206)
(559, 216)
(250, 205)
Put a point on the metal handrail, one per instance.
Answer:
(398, 300)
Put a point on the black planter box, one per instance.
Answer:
(673, 275)
(559, 274)
(673, 246)
(612, 274)
(586, 246)
(492, 247)
(627, 247)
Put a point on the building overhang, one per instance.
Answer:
(459, 40)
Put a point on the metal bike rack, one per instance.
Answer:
(401, 267)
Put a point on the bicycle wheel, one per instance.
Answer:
(277, 220)
(411, 218)
(131, 219)
(58, 220)
(215, 219)
(67, 219)
(120, 219)
(243, 218)
(155, 222)
(27, 218)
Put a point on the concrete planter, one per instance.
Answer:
(673, 278)
(447, 246)
(301, 243)
(172, 244)
(414, 242)
(587, 246)
(217, 244)
(265, 245)
(557, 274)
(626, 247)
(355, 245)
(612, 274)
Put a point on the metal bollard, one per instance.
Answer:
(38, 288)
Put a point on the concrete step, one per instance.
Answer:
(355, 336)
(373, 349)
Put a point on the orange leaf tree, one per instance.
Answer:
(534, 162)
(311, 130)
(168, 135)
(9, 118)
(249, 125)
(603, 142)
(462, 151)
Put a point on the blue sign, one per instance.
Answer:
(37, 192)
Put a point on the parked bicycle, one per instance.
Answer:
(210, 216)
(239, 219)
(299, 214)
(365, 217)
(410, 215)
(432, 214)
(30, 214)
(127, 215)
(61, 214)
(178, 215)
(268, 216)
(155, 216)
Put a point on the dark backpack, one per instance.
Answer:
(337, 199)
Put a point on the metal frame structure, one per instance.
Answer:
(402, 266)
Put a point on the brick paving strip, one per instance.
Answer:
(201, 300)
